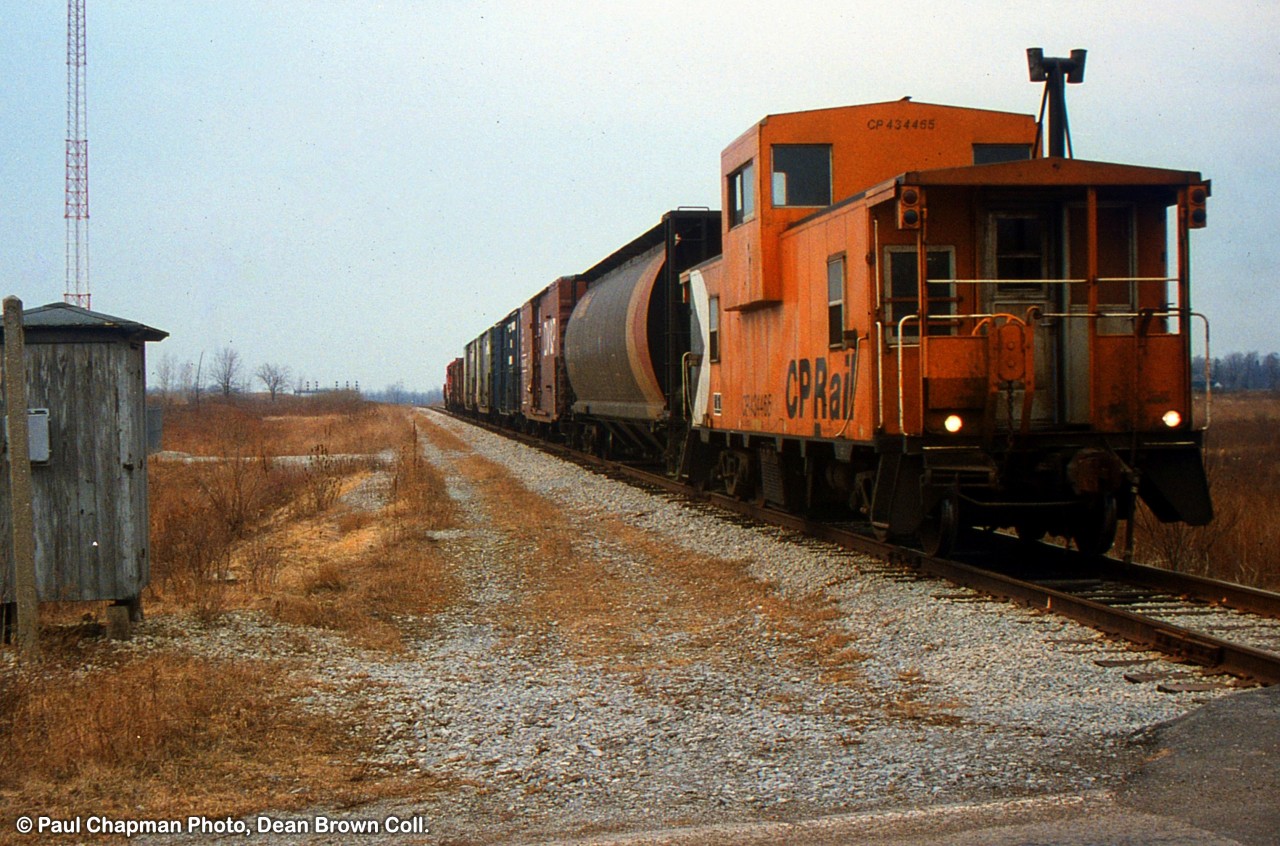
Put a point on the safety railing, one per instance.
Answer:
(1142, 314)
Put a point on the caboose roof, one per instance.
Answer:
(1052, 171)
(853, 108)
(1067, 173)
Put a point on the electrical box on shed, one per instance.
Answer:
(37, 435)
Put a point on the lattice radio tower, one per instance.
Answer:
(77, 196)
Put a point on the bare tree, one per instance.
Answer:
(167, 377)
(194, 377)
(274, 377)
(226, 370)
(1271, 372)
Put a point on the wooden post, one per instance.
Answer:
(22, 520)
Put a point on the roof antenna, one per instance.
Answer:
(1054, 73)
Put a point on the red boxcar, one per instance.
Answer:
(545, 394)
(454, 398)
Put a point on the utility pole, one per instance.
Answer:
(20, 517)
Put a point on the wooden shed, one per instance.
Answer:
(86, 382)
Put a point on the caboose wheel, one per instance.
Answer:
(1095, 529)
(940, 527)
(735, 468)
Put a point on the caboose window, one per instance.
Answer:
(742, 198)
(835, 301)
(802, 174)
(1020, 253)
(713, 329)
(903, 296)
(994, 153)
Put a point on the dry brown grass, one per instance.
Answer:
(151, 733)
(345, 424)
(166, 735)
(445, 440)
(265, 533)
(1242, 458)
(357, 575)
(420, 499)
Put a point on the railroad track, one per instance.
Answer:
(1226, 627)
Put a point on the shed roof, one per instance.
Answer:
(69, 323)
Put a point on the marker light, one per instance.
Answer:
(1196, 214)
(1172, 419)
(954, 424)
(910, 208)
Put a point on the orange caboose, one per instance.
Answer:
(918, 316)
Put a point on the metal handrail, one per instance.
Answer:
(902, 410)
(1052, 281)
(902, 414)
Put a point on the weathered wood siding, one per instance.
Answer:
(90, 500)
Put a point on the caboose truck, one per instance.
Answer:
(920, 316)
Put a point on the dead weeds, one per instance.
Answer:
(1242, 461)
(165, 735)
(93, 730)
(293, 548)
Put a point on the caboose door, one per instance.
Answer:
(1021, 249)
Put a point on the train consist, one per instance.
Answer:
(907, 311)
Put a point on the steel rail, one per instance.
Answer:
(1195, 647)
(1214, 591)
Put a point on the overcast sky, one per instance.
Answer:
(354, 189)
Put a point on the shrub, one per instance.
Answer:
(1242, 459)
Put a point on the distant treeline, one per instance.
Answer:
(1248, 371)
(397, 394)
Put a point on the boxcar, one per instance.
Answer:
(454, 381)
(506, 368)
(545, 394)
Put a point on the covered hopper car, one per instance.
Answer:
(907, 311)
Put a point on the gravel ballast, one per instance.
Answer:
(938, 699)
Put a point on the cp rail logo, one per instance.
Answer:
(813, 382)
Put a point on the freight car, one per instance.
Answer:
(598, 357)
(628, 339)
(453, 384)
(915, 315)
(545, 395)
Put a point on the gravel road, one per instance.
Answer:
(641, 689)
